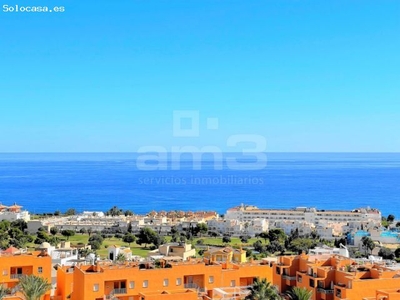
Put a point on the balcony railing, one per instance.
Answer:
(191, 286)
(16, 276)
(112, 296)
(288, 277)
(324, 291)
(118, 291)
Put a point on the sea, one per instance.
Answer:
(47, 182)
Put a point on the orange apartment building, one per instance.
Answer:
(192, 279)
(14, 264)
(328, 277)
(337, 277)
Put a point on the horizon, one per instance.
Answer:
(230, 152)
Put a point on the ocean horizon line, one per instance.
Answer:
(8, 152)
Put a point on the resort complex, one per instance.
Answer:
(238, 221)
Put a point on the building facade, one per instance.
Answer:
(335, 277)
(310, 215)
(15, 263)
(141, 281)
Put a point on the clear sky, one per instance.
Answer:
(108, 75)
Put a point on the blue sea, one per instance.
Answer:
(46, 182)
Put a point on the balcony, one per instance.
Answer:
(191, 286)
(324, 291)
(112, 296)
(288, 277)
(118, 291)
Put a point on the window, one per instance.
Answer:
(145, 283)
(339, 293)
(165, 282)
(233, 282)
(5, 272)
(178, 281)
(312, 283)
(131, 284)
(299, 278)
(278, 270)
(40, 270)
(211, 279)
(95, 287)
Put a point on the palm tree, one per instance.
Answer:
(298, 293)
(33, 287)
(262, 290)
(368, 244)
(120, 257)
(3, 291)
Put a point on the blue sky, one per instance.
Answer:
(105, 76)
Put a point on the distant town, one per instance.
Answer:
(243, 220)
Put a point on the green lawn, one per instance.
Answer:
(83, 238)
(77, 238)
(140, 250)
(136, 249)
(235, 241)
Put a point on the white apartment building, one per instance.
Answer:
(330, 230)
(186, 224)
(13, 216)
(256, 227)
(78, 222)
(326, 232)
(13, 213)
(238, 228)
(247, 213)
(88, 214)
(154, 220)
(325, 250)
(114, 251)
(63, 254)
(288, 226)
(354, 226)
(163, 229)
(229, 227)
